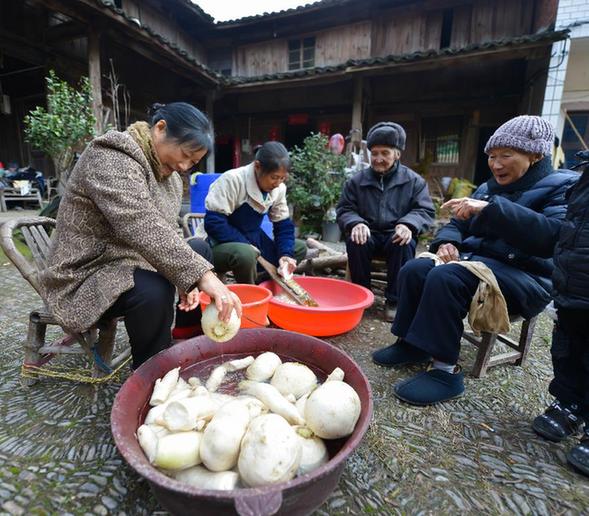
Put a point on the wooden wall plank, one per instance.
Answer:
(339, 44)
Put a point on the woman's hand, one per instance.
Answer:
(465, 207)
(188, 301)
(224, 299)
(403, 235)
(448, 253)
(360, 234)
(286, 267)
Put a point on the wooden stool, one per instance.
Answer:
(486, 341)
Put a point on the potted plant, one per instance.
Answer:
(316, 180)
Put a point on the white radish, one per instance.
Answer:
(178, 451)
(336, 375)
(202, 478)
(301, 402)
(270, 451)
(218, 330)
(164, 386)
(295, 378)
(222, 437)
(271, 397)
(183, 414)
(263, 367)
(240, 363)
(332, 410)
(148, 441)
(216, 378)
(314, 452)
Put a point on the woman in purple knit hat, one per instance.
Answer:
(511, 224)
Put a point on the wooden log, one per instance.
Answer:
(315, 244)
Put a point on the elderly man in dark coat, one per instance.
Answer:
(382, 210)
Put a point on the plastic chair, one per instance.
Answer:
(97, 343)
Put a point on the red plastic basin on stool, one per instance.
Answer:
(197, 357)
(254, 300)
(341, 306)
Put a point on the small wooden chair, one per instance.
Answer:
(97, 343)
(486, 342)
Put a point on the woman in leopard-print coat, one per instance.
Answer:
(116, 251)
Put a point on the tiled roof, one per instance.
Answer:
(286, 12)
(350, 65)
(205, 70)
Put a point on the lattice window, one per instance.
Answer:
(301, 53)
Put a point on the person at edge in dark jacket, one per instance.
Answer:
(235, 207)
(511, 224)
(382, 210)
(568, 413)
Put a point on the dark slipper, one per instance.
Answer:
(429, 387)
(400, 353)
(557, 423)
(578, 455)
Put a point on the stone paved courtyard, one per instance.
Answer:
(474, 455)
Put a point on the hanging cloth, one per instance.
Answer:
(488, 309)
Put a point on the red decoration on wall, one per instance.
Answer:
(325, 128)
(274, 133)
(236, 152)
(298, 119)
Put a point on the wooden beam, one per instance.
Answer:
(95, 75)
(210, 104)
(64, 32)
(357, 110)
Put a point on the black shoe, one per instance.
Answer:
(430, 387)
(578, 455)
(400, 353)
(558, 422)
(390, 310)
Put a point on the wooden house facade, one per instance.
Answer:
(450, 71)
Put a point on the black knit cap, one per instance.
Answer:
(386, 133)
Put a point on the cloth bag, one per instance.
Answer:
(488, 309)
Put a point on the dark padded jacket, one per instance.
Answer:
(571, 257)
(519, 229)
(381, 202)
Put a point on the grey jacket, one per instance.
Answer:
(114, 217)
(381, 202)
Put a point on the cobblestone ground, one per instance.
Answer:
(475, 455)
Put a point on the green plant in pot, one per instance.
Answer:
(315, 184)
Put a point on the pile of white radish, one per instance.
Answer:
(271, 432)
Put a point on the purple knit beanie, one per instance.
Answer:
(525, 133)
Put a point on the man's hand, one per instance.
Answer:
(465, 207)
(360, 234)
(403, 235)
(188, 301)
(448, 253)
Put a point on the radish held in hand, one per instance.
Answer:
(218, 330)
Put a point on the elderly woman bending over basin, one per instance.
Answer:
(510, 224)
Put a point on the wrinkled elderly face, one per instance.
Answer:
(508, 165)
(173, 156)
(383, 157)
(270, 180)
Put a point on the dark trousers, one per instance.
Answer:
(148, 311)
(379, 244)
(570, 359)
(433, 301)
(192, 318)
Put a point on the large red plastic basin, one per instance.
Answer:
(198, 356)
(254, 300)
(341, 306)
